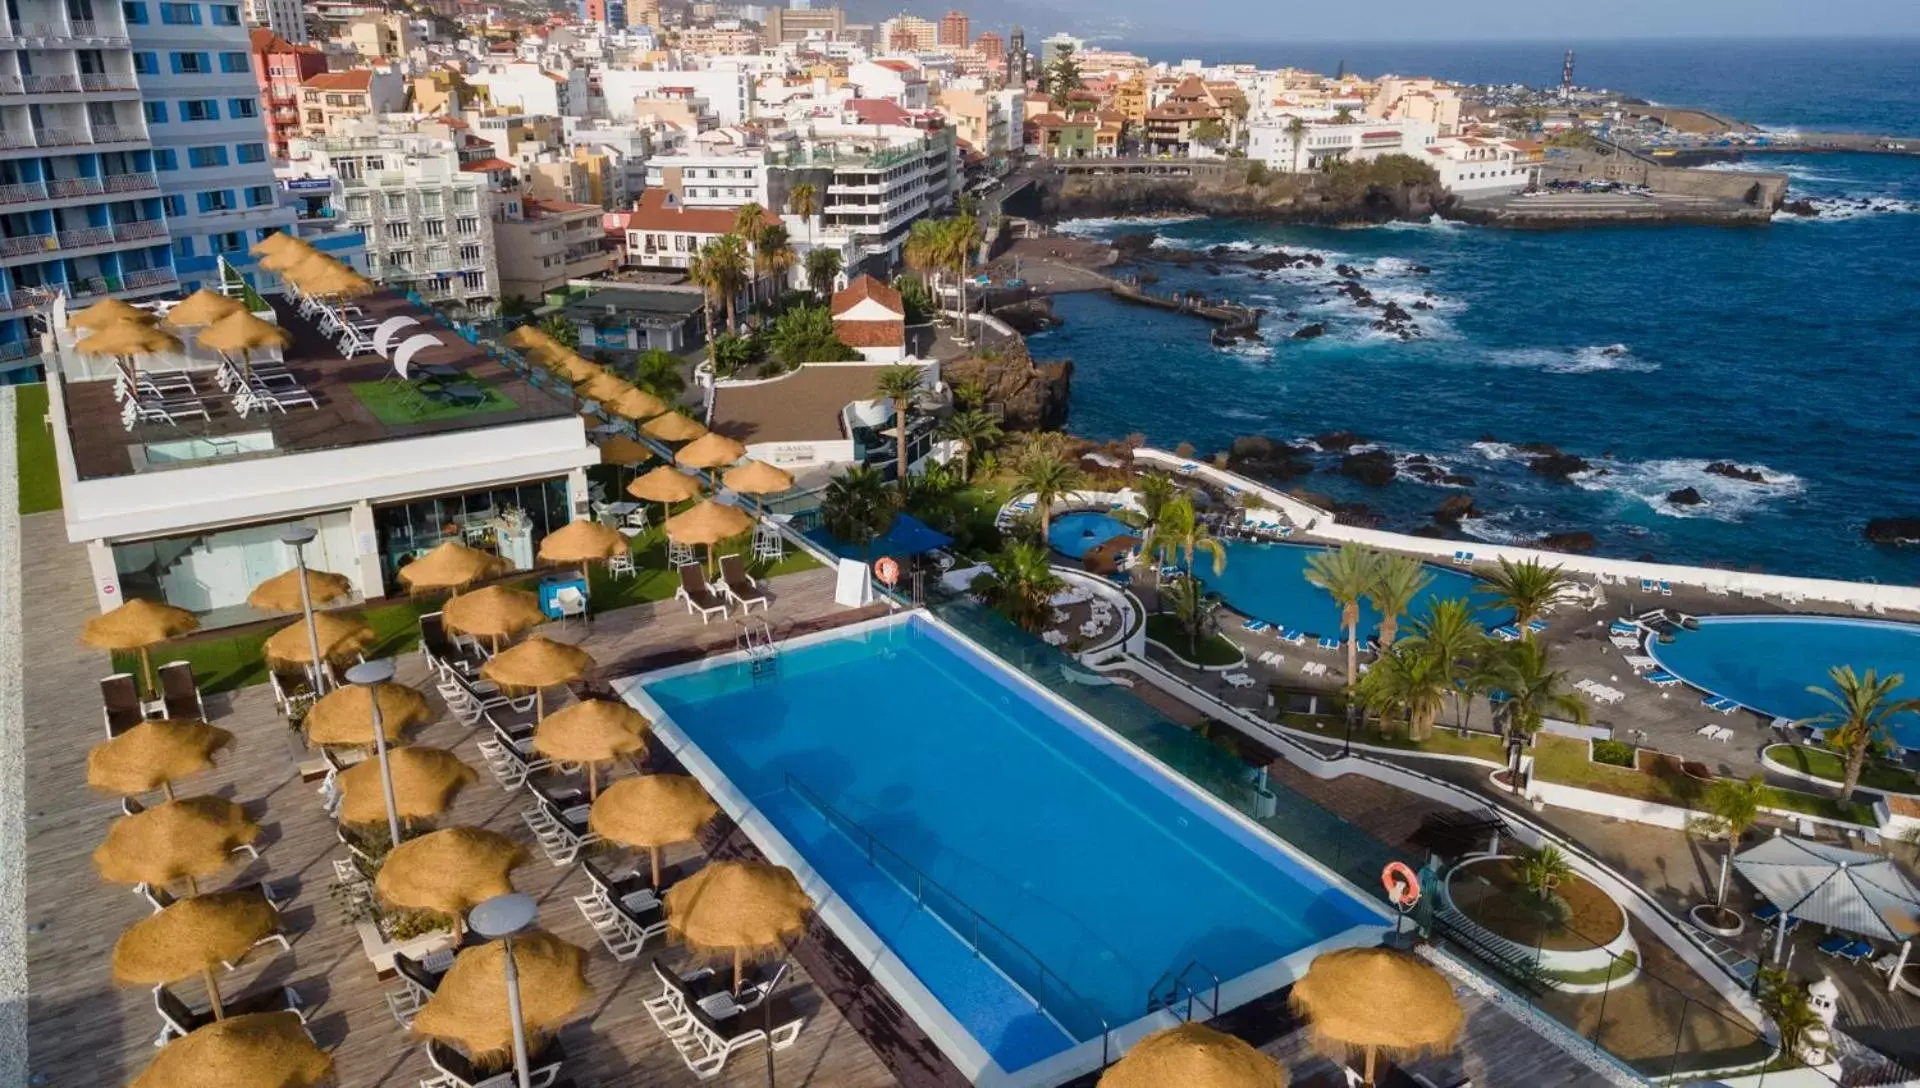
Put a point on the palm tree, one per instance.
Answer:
(803, 200)
(700, 273)
(960, 237)
(749, 223)
(925, 249)
(822, 266)
(1154, 492)
(1398, 579)
(1528, 587)
(658, 372)
(1541, 872)
(1049, 476)
(775, 253)
(975, 430)
(560, 329)
(1020, 583)
(1187, 601)
(1409, 678)
(1863, 706)
(1188, 536)
(724, 264)
(1731, 807)
(1297, 128)
(899, 383)
(1534, 690)
(856, 507)
(1450, 633)
(1347, 575)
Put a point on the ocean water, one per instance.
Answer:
(1650, 352)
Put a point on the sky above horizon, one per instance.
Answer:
(1482, 20)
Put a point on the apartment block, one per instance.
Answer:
(547, 244)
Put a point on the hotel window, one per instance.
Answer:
(469, 254)
(259, 196)
(226, 14)
(216, 200)
(467, 224)
(228, 242)
(233, 62)
(242, 108)
(180, 14)
(183, 247)
(435, 228)
(399, 231)
(156, 112)
(146, 64)
(199, 109)
(165, 159)
(207, 158)
(134, 13)
(473, 281)
(174, 204)
(191, 64)
(250, 153)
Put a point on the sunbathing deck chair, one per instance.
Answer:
(179, 1018)
(454, 1070)
(699, 596)
(418, 984)
(709, 1040)
(562, 831)
(677, 991)
(180, 692)
(120, 703)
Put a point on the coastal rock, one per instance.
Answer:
(1258, 455)
(1894, 530)
(1803, 208)
(1334, 441)
(1273, 262)
(1034, 395)
(1557, 465)
(1421, 270)
(1457, 479)
(1310, 332)
(1210, 269)
(1734, 472)
(1394, 312)
(1374, 468)
(1453, 508)
(1422, 304)
(1030, 316)
(1133, 243)
(1313, 498)
(1686, 496)
(1546, 449)
(1346, 271)
(1577, 541)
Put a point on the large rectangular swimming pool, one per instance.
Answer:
(952, 807)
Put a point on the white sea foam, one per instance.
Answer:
(1840, 209)
(1496, 451)
(1652, 481)
(1433, 222)
(1587, 360)
(1247, 349)
(1096, 226)
(1792, 170)
(1496, 528)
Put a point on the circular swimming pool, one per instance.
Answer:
(1269, 582)
(1074, 535)
(1767, 662)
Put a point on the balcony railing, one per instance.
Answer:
(27, 244)
(58, 83)
(60, 137)
(12, 85)
(68, 187)
(136, 229)
(22, 192)
(18, 349)
(118, 134)
(28, 298)
(39, 30)
(107, 81)
(133, 181)
(15, 139)
(151, 277)
(85, 236)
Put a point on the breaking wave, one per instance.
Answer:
(1724, 499)
(1588, 360)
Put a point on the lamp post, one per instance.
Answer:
(298, 537)
(370, 675)
(500, 918)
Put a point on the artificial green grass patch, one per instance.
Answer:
(39, 474)
(653, 580)
(1830, 765)
(1215, 650)
(1564, 760)
(397, 404)
(229, 662)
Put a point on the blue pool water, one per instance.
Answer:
(1074, 535)
(1767, 662)
(1269, 582)
(1102, 869)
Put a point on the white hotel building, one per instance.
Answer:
(131, 154)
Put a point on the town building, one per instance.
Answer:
(280, 68)
(724, 96)
(869, 317)
(329, 101)
(1476, 166)
(384, 37)
(548, 243)
(718, 178)
(954, 30)
(798, 24)
(533, 89)
(663, 232)
(1053, 136)
(1295, 145)
(624, 320)
(909, 33)
(891, 79)
(992, 48)
(283, 17)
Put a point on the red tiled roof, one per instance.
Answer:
(262, 40)
(871, 334)
(895, 65)
(866, 287)
(353, 79)
(540, 204)
(486, 166)
(879, 111)
(653, 213)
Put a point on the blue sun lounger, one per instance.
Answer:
(1329, 643)
(1288, 634)
(1647, 586)
(1256, 626)
(1720, 703)
(1765, 913)
(1509, 633)
(1536, 626)
(1624, 627)
(1660, 678)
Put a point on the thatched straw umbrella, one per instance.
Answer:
(538, 663)
(123, 340)
(582, 542)
(339, 635)
(193, 936)
(450, 565)
(592, 731)
(665, 485)
(708, 523)
(710, 450)
(244, 333)
(529, 338)
(322, 276)
(425, 781)
(570, 365)
(494, 613)
(1193, 1056)
(650, 812)
(280, 252)
(606, 388)
(108, 311)
(277, 242)
(178, 841)
(1378, 999)
(674, 427)
(738, 909)
(755, 478)
(258, 1050)
(449, 871)
(470, 1008)
(281, 593)
(637, 404)
(624, 451)
(153, 756)
(203, 308)
(344, 716)
(137, 625)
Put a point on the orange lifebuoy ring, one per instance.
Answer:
(887, 569)
(1403, 887)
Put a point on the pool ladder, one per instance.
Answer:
(755, 640)
(1175, 994)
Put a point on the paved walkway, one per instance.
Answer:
(13, 802)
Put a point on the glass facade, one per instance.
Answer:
(508, 521)
(210, 574)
